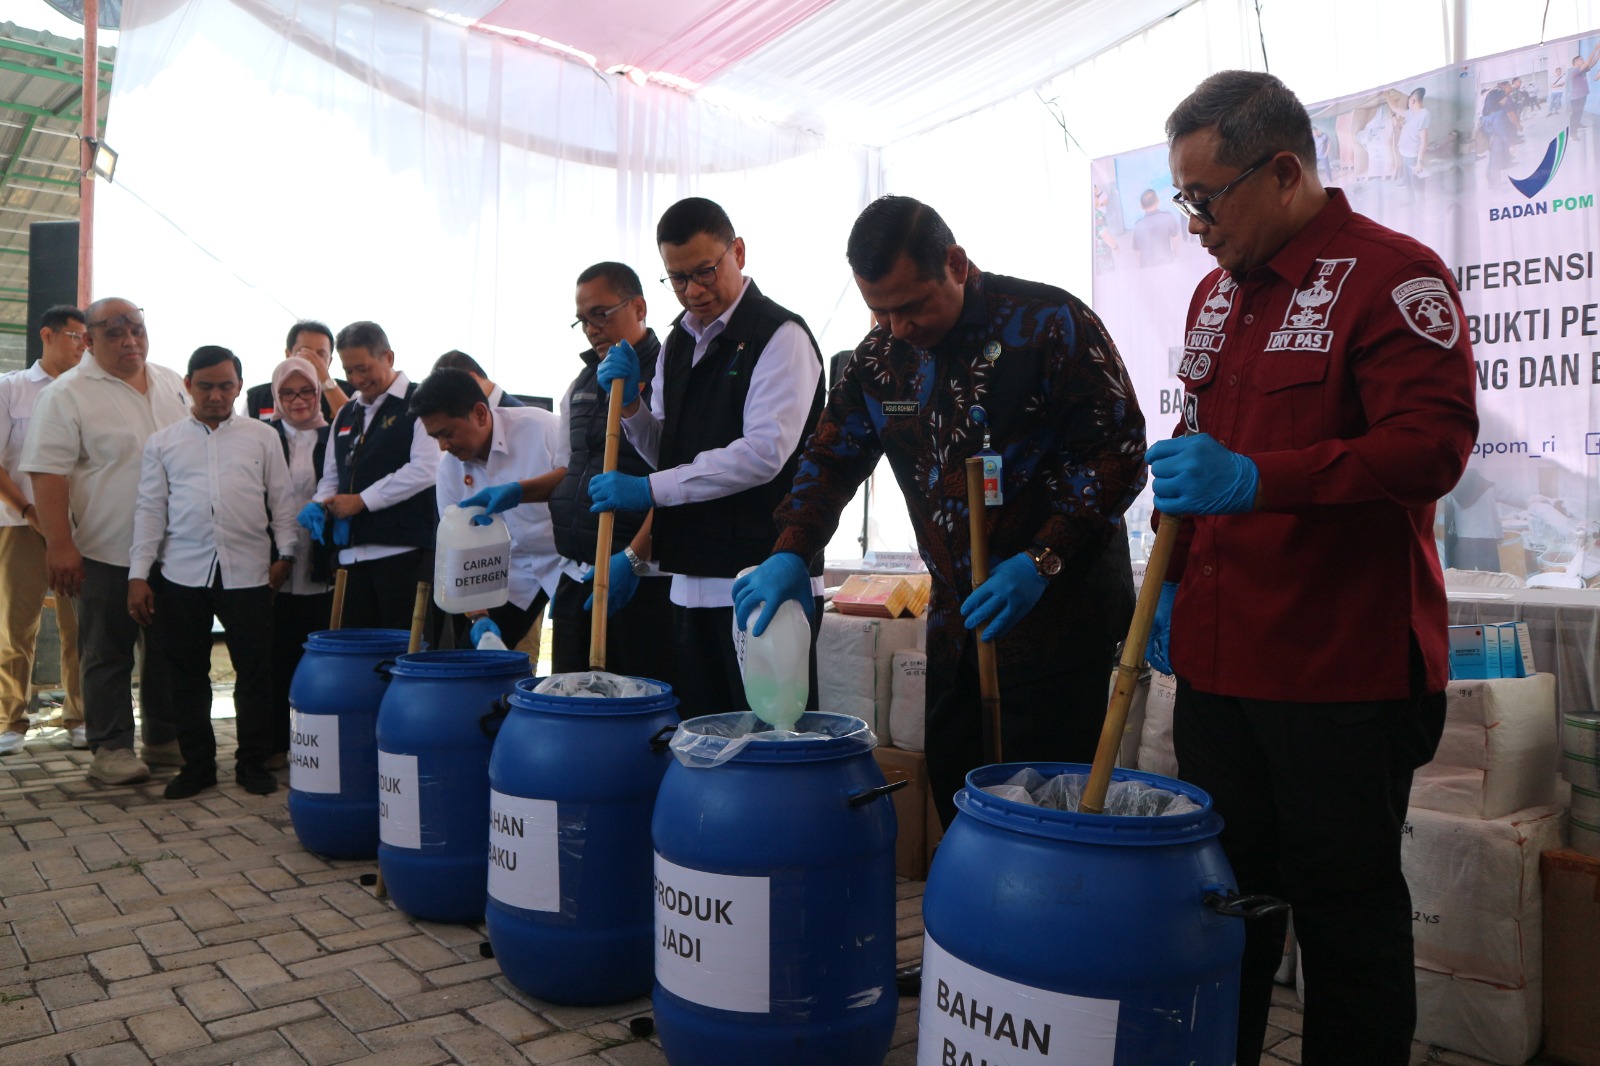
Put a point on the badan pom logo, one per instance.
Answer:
(1536, 182)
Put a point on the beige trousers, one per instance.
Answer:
(23, 584)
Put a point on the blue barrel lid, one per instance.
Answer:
(1112, 829)
(525, 698)
(359, 641)
(842, 736)
(462, 663)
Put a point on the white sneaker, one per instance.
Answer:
(10, 742)
(79, 737)
(118, 766)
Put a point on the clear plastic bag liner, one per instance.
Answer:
(597, 684)
(715, 739)
(1064, 792)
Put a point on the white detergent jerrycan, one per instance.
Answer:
(472, 564)
(776, 664)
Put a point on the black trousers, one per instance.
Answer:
(1313, 799)
(183, 626)
(638, 637)
(381, 593)
(1055, 718)
(294, 619)
(709, 681)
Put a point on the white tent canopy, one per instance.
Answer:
(448, 174)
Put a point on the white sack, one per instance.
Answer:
(855, 663)
(1155, 739)
(1480, 1019)
(908, 701)
(1498, 753)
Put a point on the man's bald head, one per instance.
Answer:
(117, 338)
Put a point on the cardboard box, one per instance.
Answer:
(1468, 657)
(1571, 957)
(1516, 650)
(920, 831)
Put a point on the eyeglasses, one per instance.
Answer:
(704, 276)
(305, 352)
(119, 326)
(597, 319)
(76, 334)
(290, 395)
(1201, 208)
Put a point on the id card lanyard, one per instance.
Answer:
(993, 464)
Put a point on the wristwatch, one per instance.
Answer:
(331, 385)
(639, 566)
(1047, 562)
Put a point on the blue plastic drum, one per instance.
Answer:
(775, 899)
(573, 783)
(1054, 936)
(333, 752)
(436, 726)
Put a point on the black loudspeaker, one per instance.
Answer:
(52, 274)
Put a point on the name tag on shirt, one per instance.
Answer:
(585, 397)
(899, 408)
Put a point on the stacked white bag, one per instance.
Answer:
(1480, 815)
(855, 665)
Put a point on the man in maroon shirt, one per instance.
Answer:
(1328, 403)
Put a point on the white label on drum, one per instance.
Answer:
(712, 942)
(475, 571)
(399, 805)
(314, 752)
(969, 1016)
(524, 853)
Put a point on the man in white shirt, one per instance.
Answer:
(490, 446)
(209, 487)
(375, 500)
(22, 574)
(736, 392)
(82, 452)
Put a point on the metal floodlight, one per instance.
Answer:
(105, 158)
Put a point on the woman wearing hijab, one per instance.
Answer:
(303, 603)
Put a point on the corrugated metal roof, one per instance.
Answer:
(40, 94)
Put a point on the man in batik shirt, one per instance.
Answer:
(1063, 417)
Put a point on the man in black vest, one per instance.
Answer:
(376, 501)
(494, 395)
(735, 393)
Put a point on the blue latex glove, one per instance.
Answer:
(620, 362)
(782, 577)
(1000, 602)
(312, 518)
(623, 584)
(1196, 475)
(493, 500)
(341, 532)
(480, 627)
(1156, 651)
(620, 492)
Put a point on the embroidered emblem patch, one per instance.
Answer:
(1310, 307)
(1426, 306)
(1214, 312)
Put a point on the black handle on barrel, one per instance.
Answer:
(858, 799)
(496, 715)
(1233, 905)
(385, 669)
(663, 737)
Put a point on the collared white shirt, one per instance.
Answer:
(18, 391)
(204, 500)
(496, 394)
(775, 411)
(521, 445)
(303, 477)
(418, 473)
(91, 427)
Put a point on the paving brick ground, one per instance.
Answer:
(134, 930)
